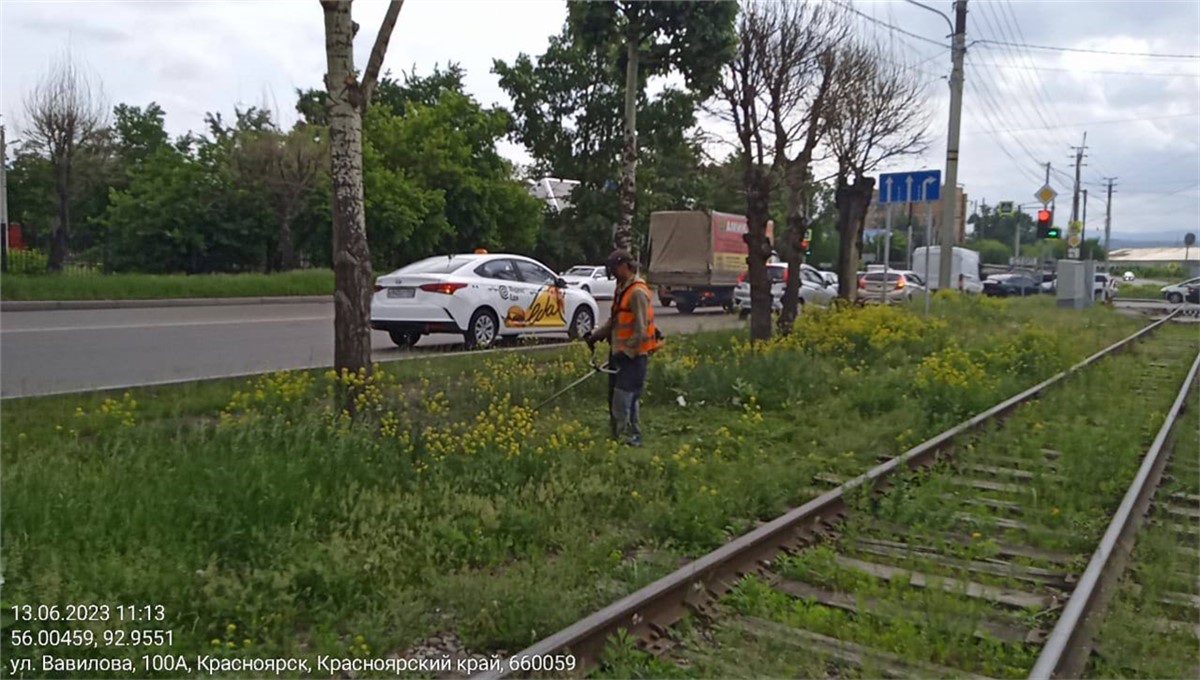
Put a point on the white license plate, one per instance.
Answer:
(401, 292)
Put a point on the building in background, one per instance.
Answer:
(877, 217)
(1185, 257)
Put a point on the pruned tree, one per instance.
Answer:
(347, 101)
(745, 99)
(66, 116)
(804, 47)
(877, 113)
(694, 39)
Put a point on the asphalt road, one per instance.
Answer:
(51, 352)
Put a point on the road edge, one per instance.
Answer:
(53, 305)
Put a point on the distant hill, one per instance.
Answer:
(1149, 239)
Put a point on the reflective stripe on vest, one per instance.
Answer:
(624, 324)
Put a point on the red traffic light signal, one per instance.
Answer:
(1044, 227)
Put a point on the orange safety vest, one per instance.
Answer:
(623, 313)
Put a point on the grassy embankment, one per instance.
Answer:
(266, 523)
(155, 286)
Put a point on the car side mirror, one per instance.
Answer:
(560, 282)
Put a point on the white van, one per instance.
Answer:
(963, 262)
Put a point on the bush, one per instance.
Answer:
(27, 261)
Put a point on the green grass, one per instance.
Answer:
(451, 506)
(1097, 421)
(1129, 645)
(1139, 290)
(156, 286)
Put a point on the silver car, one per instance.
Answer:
(813, 288)
(896, 285)
(1175, 293)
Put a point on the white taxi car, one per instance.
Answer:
(482, 296)
(592, 279)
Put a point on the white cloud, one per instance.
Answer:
(196, 57)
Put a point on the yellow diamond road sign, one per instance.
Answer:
(1045, 194)
(1073, 240)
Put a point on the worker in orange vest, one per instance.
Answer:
(631, 333)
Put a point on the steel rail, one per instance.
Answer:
(1065, 653)
(657, 606)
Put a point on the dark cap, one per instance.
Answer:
(618, 256)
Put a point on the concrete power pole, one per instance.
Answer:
(1108, 216)
(3, 202)
(1083, 219)
(950, 186)
(1078, 164)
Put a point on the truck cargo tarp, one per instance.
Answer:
(694, 248)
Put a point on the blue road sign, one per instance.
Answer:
(910, 187)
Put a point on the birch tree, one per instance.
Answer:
(693, 39)
(347, 100)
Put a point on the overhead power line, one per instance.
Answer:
(1149, 55)
(1100, 122)
(1159, 74)
(892, 27)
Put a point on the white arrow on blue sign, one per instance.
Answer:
(917, 186)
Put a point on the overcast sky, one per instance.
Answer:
(1022, 106)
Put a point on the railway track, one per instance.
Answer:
(965, 555)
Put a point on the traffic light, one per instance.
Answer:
(1045, 226)
(806, 242)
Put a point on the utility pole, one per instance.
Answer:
(1078, 164)
(1108, 216)
(1083, 220)
(950, 188)
(3, 202)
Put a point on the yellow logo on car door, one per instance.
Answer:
(548, 309)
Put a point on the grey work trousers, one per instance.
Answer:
(625, 395)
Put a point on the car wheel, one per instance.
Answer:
(1174, 298)
(686, 307)
(581, 324)
(483, 329)
(404, 338)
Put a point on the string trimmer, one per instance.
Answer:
(596, 368)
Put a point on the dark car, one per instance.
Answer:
(1003, 285)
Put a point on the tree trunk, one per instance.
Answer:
(285, 252)
(60, 238)
(852, 202)
(351, 255)
(623, 231)
(797, 224)
(757, 215)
